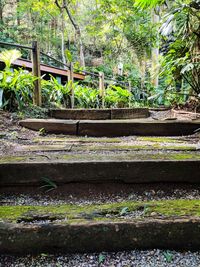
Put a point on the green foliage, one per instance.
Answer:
(17, 86)
(68, 55)
(113, 32)
(55, 93)
(168, 256)
(124, 211)
(101, 258)
(49, 185)
(86, 97)
(9, 56)
(117, 97)
(148, 3)
(17, 89)
(42, 132)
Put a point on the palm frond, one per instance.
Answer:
(9, 56)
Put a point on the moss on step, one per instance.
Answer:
(161, 139)
(88, 157)
(35, 148)
(77, 140)
(114, 211)
(134, 147)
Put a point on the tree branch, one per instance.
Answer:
(57, 4)
(76, 27)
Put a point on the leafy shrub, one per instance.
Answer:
(54, 92)
(17, 89)
(117, 97)
(86, 97)
(16, 86)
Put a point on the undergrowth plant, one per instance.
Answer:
(55, 93)
(117, 97)
(17, 85)
(86, 97)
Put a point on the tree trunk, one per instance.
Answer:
(155, 56)
(63, 39)
(77, 33)
(1, 11)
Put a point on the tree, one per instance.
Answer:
(182, 24)
(64, 5)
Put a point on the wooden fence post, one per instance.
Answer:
(71, 80)
(37, 98)
(102, 88)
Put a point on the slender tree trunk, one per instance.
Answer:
(155, 56)
(76, 28)
(18, 16)
(1, 11)
(63, 38)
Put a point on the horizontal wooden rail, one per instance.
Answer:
(37, 67)
(16, 45)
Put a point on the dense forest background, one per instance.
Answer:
(153, 44)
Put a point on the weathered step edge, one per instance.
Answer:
(181, 171)
(113, 128)
(99, 114)
(147, 233)
(51, 125)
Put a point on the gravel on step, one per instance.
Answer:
(135, 258)
(60, 199)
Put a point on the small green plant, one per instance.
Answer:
(146, 209)
(44, 255)
(48, 184)
(101, 258)
(168, 256)
(124, 211)
(42, 131)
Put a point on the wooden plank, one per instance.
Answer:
(51, 125)
(85, 235)
(81, 114)
(143, 127)
(111, 169)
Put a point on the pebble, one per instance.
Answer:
(148, 195)
(135, 258)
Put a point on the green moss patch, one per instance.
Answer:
(115, 211)
(161, 139)
(134, 147)
(76, 140)
(80, 156)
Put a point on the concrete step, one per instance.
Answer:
(112, 128)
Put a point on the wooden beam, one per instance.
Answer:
(71, 81)
(102, 88)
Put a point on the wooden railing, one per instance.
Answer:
(36, 64)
